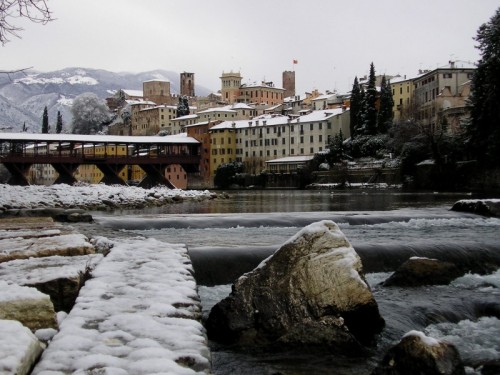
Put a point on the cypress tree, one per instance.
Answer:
(355, 107)
(483, 131)
(385, 113)
(45, 121)
(370, 120)
(59, 124)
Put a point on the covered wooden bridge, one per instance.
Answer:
(66, 152)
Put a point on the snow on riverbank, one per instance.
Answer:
(138, 314)
(98, 196)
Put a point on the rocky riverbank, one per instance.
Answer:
(17, 199)
(92, 305)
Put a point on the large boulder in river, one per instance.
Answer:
(418, 271)
(418, 354)
(310, 293)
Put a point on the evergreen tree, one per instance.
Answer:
(361, 113)
(385, 113)
(483, 131)
(59, 124)
(45, 121)
(182, 106)
(186, 105)
(355, 107)
(370, 110)
(336, 148)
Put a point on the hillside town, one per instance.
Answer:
(267, 127)
(269, 130)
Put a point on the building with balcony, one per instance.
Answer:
(432, 86)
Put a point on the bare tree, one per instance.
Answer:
(35, 10)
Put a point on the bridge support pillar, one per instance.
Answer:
(111, 174)
(18, 173)
(155, 175)
(66, 173)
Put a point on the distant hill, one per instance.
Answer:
(23, 96)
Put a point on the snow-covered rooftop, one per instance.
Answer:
(177, 138)
(135, 93)
(279, 120)
(237, 106)
(217, 109)
(291, 159)
(187, 117)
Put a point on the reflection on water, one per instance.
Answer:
(253, 201)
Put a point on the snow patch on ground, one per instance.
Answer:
(78, 79)
(84, 195)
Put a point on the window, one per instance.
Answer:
(311, 139)
(447, 75)
(311, 127)
(301, 139)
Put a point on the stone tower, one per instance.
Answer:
(187, 84)
(289, 83)
(230, 87)
(157, 91)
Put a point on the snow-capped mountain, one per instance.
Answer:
(23, 96)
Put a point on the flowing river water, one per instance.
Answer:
(227, 237)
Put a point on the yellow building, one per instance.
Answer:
(222, 147)
(402, 94)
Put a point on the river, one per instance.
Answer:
(229, 236)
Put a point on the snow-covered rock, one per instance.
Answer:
(138, 314)
(419, 354)
(19, 348)
(60, 277)
(310, 292)
(23, 248)
(26, 305)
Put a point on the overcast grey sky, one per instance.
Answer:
(332, 40)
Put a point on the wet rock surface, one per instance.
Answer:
(424, 271)
(418, 354)
(487, 207)
(310, 293)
